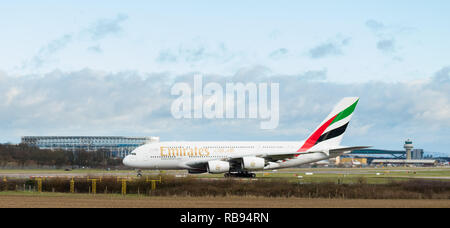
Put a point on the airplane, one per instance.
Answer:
(240, 158)
(356, 163)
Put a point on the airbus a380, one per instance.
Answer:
(240, 159)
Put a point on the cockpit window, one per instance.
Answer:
(133, 153)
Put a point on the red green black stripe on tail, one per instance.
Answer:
(321, 134)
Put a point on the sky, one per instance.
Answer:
(107, 67)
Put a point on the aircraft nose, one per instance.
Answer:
(126, 160)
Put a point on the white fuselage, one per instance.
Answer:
(179, 155)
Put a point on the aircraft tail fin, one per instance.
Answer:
(330, 132)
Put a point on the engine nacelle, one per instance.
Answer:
(218, 167)
(253, 163)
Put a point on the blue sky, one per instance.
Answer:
(394, 54)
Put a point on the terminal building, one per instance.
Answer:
(409, 156)
(118, 146)
(404, 162)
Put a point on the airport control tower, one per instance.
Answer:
(408, 147)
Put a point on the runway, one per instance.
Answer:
(439, 173)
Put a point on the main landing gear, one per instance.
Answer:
(240, 174)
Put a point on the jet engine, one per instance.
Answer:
(253, 163)
(218, 167)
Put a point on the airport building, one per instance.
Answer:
(417, 154)
(351, 161)
(404, 162)
(118, 146)
(407, 157)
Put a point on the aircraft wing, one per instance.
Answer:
(277, 156)
(330, 152)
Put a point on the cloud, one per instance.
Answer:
(314, 75)
(331, 48)
(324, 50)
(279, 53)
(381, 29)
(195, 52)
(104, 27)
(275, 34)
(387, 46)
(166, 56)
(442, 77)
(96, 32)
(386, 35)
(11, 94)
(89, 102)
(48, 50)
(57, 44)
(96, 49)
(374, 25)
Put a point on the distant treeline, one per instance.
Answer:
(22, 155)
